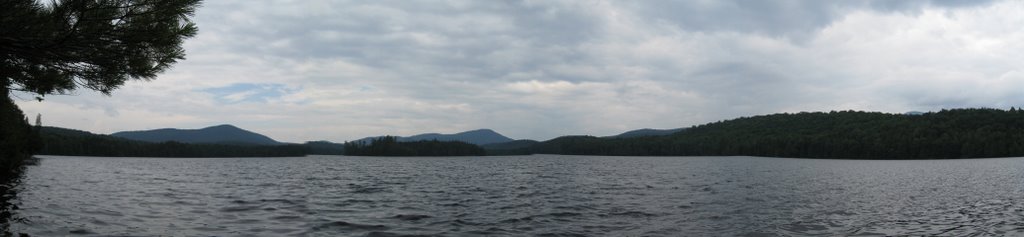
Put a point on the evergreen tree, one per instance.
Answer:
(59, 46)
(17, 142)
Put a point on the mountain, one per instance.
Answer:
(647, 132)
(70, 142)
(217, 134)
(517, 144)
(476, 137)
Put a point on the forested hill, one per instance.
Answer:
(958, 133)
(391, 146)
(948, 134)
(70, 142)
(647, 132)
(476, 137)
(227, 134)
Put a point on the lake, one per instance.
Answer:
(540, 195)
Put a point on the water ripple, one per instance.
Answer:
(519, 196)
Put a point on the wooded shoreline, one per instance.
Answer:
(947, 134)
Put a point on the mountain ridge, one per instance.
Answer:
(73, 142)
(224, 133)
(645, 132)
(478, 137)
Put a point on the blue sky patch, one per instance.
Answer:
(248, 92)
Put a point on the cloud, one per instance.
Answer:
(799, 18)
(339, 70)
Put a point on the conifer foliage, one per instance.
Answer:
(55, 47)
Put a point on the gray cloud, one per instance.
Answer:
(778, 18)
(340, 70)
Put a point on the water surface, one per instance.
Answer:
(519, 195)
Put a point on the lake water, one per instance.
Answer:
(520, 195)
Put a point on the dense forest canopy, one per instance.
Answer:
(390, 146)
(947, 134)
(18, 140)
(324, 148)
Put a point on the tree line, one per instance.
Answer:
(18, 139)
(947, 134)
(390, 146)
(68, 142)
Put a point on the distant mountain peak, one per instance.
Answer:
(224, 133)
(223, 126)
(644, 132)
(481, 136)
(482, 130)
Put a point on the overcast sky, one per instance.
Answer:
(342, 70)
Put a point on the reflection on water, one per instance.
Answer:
(9, 184)
(520, 195)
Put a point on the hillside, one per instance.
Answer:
(475, 137)
(517, 147)
(647, 132)
(226, 134)
(70, 142)
(517, 144)
(948, 134)
(324, 148)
